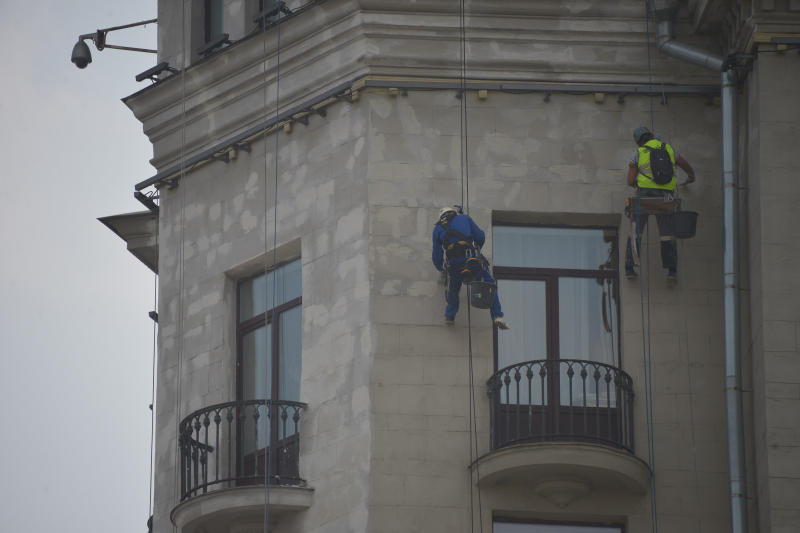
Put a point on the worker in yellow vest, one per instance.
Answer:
(651, 171)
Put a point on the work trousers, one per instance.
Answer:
(454, 287)
(666, 232)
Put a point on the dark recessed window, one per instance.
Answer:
(514, 527)
(214, 14)
(559, 293)
(269, 359)
(267, 12)
(557, 371)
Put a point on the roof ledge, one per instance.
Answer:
(138, 230)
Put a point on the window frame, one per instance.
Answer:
(551, 276)
(208, 7)
(272, 317)
(553, 412)
(505, 520)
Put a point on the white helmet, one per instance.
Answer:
(449, 209)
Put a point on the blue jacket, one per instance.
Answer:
(461, 223)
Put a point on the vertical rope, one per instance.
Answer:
(649, 63)
(651, 439)
(150, 488)
(463, 113)
(647, 346)
(647, 366)
(181, 258)
(268, 401)
(464, 159)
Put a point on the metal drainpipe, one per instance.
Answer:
(730, 215)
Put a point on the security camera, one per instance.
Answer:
(81, 55)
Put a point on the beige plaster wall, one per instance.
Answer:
(568, 156)
(218, 217)
(774, 261)
(385, 440)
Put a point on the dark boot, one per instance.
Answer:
(669, 255)
(630, 273)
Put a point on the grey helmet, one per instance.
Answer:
(640, 132)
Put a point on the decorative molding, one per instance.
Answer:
(546, 41)
(562, 492)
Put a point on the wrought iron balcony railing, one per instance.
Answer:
(240, 443)
(564, 399)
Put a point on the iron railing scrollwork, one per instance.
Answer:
(229, 444)
(561, 399)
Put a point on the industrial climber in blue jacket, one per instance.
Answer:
(457, 241)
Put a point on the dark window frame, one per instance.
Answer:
(268, 317)
(271, 316)
(552, 418)
(503, 520)
(551, 276)
(208, 5)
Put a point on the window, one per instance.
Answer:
(266, 12)
(559, 291)
(515, 527)
(269, 359)
(214, 15)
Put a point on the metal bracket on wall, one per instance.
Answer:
(147, 200)
(213, 46)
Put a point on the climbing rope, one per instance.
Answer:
(464, 159)
(649, 62)
(181, 262)
(150, 488)
(647, 360)
(647, 364)
(269, 410)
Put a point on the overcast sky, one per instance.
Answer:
(77, 344)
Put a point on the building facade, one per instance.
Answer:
(303, 151)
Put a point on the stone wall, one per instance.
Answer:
(565, 157)
(385, 438)
(218, 217)
(774, 261)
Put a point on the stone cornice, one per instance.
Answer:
(341, 40)
(740, 25)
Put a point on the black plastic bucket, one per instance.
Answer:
(685, 224)
(481, 294)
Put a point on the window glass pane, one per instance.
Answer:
(256, 367)
(540, 247)
(587, 319)
(507, 527)
(525, 308)
(526, 313)
(290, 354)
(587, 315)
(214, 17)
(255, 293)
(256, 384)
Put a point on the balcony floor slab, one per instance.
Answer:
(228, 510)
(561, 470)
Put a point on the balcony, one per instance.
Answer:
(568, 424)
(228, 453)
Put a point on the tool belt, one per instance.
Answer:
(460, 250)
(474, 262)
(471, 269)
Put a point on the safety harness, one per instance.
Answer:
(462, 247)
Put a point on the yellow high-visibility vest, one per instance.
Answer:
(643, 162)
